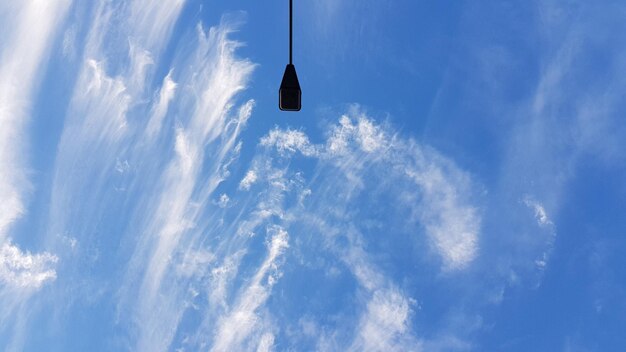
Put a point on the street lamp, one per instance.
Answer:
(290, 95)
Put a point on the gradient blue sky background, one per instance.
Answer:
(454, 182)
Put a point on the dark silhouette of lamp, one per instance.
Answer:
(290, 95)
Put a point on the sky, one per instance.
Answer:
(454, 181)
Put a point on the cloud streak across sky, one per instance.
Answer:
(24, 47)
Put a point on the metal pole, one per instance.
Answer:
(290, 32)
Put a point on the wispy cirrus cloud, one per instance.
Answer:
(331, 242)
(548, 233)
(558, 124)
(362, 162)
(31, 28)
(25, 270)
(110, 121)
(385, 325)
(540, 130)
(192, 254)
(357, 147)
(240, 322)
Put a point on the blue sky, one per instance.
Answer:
(454, 181)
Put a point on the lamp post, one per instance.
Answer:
(290, 95)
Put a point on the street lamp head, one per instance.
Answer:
(290, 95)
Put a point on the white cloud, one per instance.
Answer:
(384, 322)
(248, 180)
(151, 22)
(540, 212)
(266, 343)
(69, 43)
(240, 323)
(222, 277)
(362, 162)
(140, 65)
(338, 141)
(29, 29)
(122, 166)
(216, 76)
(549, 233)
(452, 225)
(288, 141)
(440, 195)
(371, 137)
(179, 139)
(194, 261)
(25, 270)
(224, 200)
(362, 132)
(384, 325)
(159, 110)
